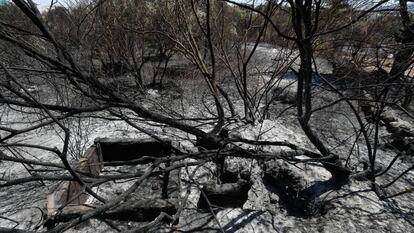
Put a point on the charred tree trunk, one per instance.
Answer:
(304, 110)
(304, 29)
(403, 56)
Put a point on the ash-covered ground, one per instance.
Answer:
(273, 201)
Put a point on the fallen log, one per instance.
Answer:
(137, 210)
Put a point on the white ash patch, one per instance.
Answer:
(259, 198)
(192, 180)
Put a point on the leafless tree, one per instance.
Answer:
(62, 51)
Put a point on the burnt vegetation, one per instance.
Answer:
(149, 116)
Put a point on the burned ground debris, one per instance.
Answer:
(206, 116)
